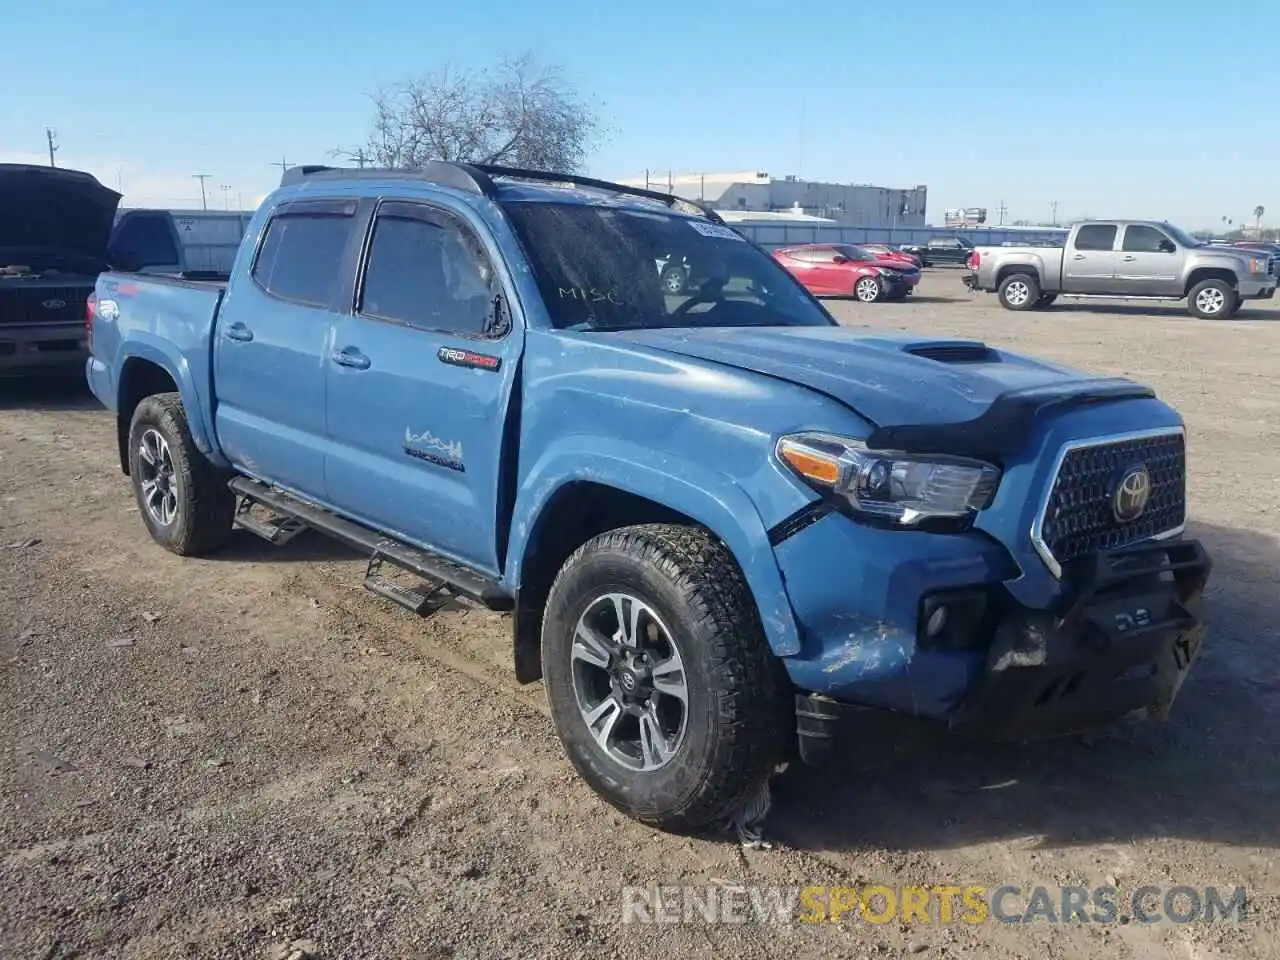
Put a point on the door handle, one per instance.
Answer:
(1078, 256)
(351, 357)
(1130, 258)
(239, 332)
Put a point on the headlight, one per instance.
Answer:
(1259, 266)
(905, 489)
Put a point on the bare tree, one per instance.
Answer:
(520, 113)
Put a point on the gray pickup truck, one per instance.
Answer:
(1125, 260)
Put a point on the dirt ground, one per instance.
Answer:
(220, 758)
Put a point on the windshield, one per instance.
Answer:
(609, 268)
(1182, 238)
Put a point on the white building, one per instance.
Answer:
(852, 204)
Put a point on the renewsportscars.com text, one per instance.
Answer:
(943, 904)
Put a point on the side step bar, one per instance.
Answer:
(440, 574)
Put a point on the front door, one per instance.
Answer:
(1149, 263)
(419, 386)
(272, 339)
(1089, 264)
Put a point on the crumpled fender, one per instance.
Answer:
(711, 498)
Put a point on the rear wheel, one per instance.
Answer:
(662, 686)
(183, 498)
(868, 289)
(1019, 291)
(1212, 300)
(674, 280)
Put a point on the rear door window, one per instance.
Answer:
(301, 257)
(1096, 236)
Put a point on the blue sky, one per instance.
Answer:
(1144, 108)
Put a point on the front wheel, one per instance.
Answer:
(1212, 300)
(869, 289)
(1019, 291)
(662, 686)
(183, 498)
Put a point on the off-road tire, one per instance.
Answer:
(1230, 299)
(1019, 291)
(740, 720)
(206, 506)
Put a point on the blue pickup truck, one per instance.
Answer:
(719, 518)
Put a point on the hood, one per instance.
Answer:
(55, 209)
(895, 263)
(898, 381)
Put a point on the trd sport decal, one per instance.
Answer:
(465, 358)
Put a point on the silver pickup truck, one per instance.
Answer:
(1125, 260)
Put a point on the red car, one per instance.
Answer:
(842, 270)
(886, 252)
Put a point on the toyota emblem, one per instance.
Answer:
(53, 304)
(1132, 494)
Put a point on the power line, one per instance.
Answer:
(52, 137)
(202, 177)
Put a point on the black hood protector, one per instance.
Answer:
(54, 209)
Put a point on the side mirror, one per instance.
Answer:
(1167, 246)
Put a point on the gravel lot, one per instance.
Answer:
(224, 757)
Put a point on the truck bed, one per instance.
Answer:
(170, 315)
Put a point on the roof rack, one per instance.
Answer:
(478, 178)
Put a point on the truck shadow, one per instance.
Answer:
(47, 392)
(1247, 313)
(309, 546)
(1211, 773)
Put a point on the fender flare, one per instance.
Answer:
(710, 498)
(142, 346)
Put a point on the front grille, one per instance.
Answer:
(1078, 519)
(20, 304)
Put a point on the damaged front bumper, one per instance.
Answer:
(1124, 645)
(1120, 639)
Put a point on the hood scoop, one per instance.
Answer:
(954, 351)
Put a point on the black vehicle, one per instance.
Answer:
(54, 229)
(953, 250)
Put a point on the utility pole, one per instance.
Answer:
(202, 177)
(52, 137)
(1053, 212)
(1001, 210)
(283, 164)
(226, 196)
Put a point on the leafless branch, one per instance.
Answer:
(520, 113)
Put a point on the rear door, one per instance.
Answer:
(1089, 263)
(811, 266)
(272, 343)
(827, 275)
(1149, 263)
(419, 389)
